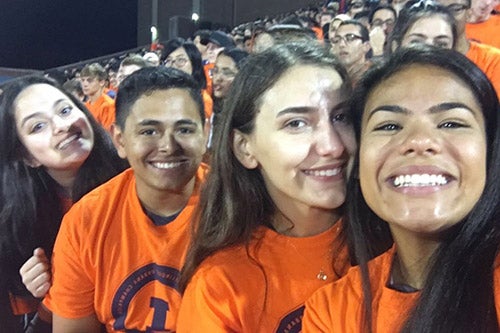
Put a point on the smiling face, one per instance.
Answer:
(56, 134)
(163, 140)
(433, 30)
(422, 150)
(303, 144)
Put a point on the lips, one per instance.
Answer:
(66, 142)
(167, 165)
(420, 180)
(325, 171)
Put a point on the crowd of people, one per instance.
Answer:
(332, 169)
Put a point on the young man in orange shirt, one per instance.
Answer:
(119, 251)
(102, 107)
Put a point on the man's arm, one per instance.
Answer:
(88, 324)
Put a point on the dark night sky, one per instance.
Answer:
(41, 34)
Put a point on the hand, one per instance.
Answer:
(377, 41)
(36, 273)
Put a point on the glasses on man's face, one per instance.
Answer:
(224, 72)
(380, 22)
(348, 39)
(457, 8)
(178, 62)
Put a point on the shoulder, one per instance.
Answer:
(482, 52)
(106, 197)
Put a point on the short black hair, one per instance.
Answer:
(149, 79)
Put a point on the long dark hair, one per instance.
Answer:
(235, 200)
(194, 56)
(30, 209)
(458, 292)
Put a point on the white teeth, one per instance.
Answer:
(416, 180)
(63, 144)
(166, 165)
(323, 173)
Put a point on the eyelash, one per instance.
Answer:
(388, 127)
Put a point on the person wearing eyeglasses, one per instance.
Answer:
(227, 65)
(185, 56)
(382, 20)
(351, 45)
(484, 56)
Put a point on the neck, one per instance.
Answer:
(412, 259)
(463, 44)
(65, 178)
(304, 223)
(166, 203)
(476, 18)
(94, 97)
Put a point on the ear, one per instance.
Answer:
(242, 149)
(118, 140)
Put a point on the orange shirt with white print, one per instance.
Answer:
(112, 260)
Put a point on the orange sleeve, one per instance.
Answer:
(487, 58)
(207, 306)
(72, 292)
(314, 319)
(208, 103)
(208, 75)
(108, 115)
(487, 32)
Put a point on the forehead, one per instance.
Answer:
(165, 106)
(431, 25)
(40, 95)
(383, 14)
(303, 85)
(347, 29)
(418, 87)
(178, 52)
(224, 61)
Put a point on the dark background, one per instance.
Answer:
(43, 34)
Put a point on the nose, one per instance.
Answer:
(420, 140)
(60, 124)
(167, 143)
(328, 140)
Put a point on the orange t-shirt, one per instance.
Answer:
(338, 307)
(103, 110)
(487, 58)
(208, 67)
(112, 260)
(207, 103)
(487, 32)
(261, 288)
